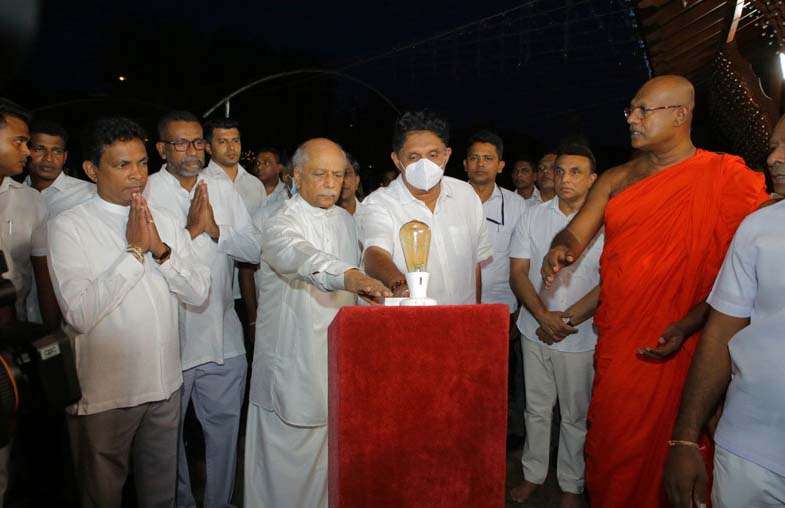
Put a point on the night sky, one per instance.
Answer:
(535, 71)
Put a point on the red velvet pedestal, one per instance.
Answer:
(418, 406)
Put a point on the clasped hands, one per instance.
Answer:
(200, 215)
(140, 231)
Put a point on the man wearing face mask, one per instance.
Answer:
(459, 239)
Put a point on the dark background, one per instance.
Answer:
(535, 71)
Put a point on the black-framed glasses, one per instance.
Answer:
(645, 111)
(181, 145)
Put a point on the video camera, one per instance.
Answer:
(37, 370)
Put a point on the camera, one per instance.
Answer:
(37, 369)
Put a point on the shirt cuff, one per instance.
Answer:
(330, 277)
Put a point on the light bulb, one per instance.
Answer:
(416, 243)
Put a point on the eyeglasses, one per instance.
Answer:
(645, 111)
(181, 145)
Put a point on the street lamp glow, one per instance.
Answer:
(121, 78)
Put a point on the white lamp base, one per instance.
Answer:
(417, 302)
(418, 289)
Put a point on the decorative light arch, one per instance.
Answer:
(226, 101)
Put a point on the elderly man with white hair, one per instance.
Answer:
(309, 271)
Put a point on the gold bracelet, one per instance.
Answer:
(137, 252)
(677, 442)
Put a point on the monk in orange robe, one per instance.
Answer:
(669, 216)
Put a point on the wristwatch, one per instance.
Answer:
(163, 257)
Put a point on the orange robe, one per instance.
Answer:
(665, 239)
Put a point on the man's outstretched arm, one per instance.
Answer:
(708, 378)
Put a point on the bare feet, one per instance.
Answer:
(522, 492)
(570, 500)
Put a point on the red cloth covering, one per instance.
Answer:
(665, 239)
(418, 406)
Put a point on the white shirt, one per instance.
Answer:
(535, 199)
(254, 196)
(210, 332)
(250, 188)
(124, 312)
(279, 194)
(459, 238)
(64, 193)
(751, 284)
(532, 241)
(22, 212)
(305, 250)
(503, 210)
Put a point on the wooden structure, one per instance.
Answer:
(730, 50)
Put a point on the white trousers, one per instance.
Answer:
(217, 393)
(739, 483)
(285, 466)
(550, 376)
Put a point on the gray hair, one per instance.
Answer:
(300, 157)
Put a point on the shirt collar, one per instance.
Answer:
(9, 183)
(553, 205)
(216, 170)
(112, 207)
(496, 194)
(60, 183)
(314, 210)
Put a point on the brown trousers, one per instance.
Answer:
(104, 444)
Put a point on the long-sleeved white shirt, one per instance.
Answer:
(254, 196)
(22, 212)
(124, 312)
(306, 251)
(250, 188)
(210, 332)
(459, 237)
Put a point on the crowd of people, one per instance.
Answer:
(645, 301)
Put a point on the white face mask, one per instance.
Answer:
(423, 174)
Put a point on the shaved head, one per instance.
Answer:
(660, 114)
(676, 89)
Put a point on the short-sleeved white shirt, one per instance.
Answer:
(751, 283)
(532, 240)
(503, 210)
(459, 237)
